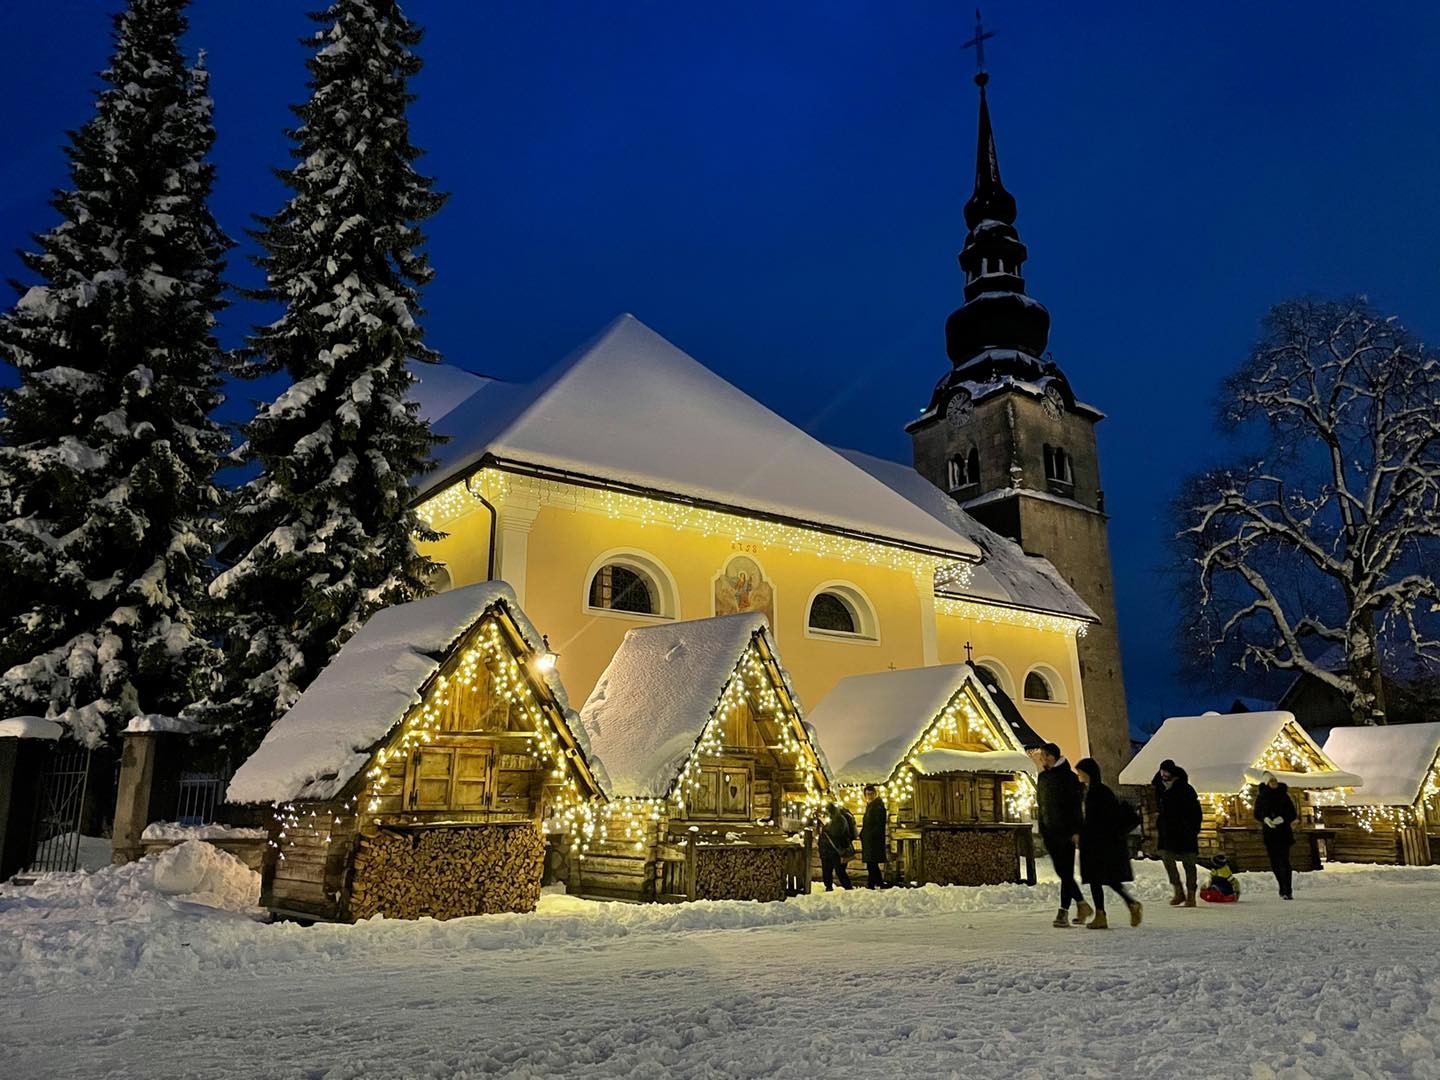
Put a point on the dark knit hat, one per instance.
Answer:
(1091, 768)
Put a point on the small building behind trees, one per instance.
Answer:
(711, 774)
(1395, 817)
(420, 773)
(1225, 756)
(950, 763)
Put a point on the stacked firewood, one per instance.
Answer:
(448, 873)
(970, 858)
(740, 873)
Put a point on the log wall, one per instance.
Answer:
(1385, 842)
(308, 875)
(964, 857)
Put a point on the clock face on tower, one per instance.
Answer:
(961, 410)
(1054, 402)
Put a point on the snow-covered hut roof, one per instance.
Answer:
(1394, 759)
(629, 408)
(1221, 752)
(328, 736)
(1006, 574)
(868, 723)
(31, 727)
(651, 705)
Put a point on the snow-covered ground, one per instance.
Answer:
(105, 975)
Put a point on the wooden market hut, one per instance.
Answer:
(1225, 755)
(420, 772)
(1395, 817)
(953, 768)
(710, 772)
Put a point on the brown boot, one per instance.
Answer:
(1063, 918)
(1083, 911)
(1137, 912)
(1189, 897)
(1178, 898)
(1099, 922)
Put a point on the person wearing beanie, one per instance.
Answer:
(1178, 828)
(1057, 797)
(1275, 810)
(1104, 845)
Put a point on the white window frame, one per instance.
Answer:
(1002, 673)
(656, 574)
(861, 607)
(1058, 692)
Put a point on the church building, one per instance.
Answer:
(631, 485)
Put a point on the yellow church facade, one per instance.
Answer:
(633, 486)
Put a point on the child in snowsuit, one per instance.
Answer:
(1224, 886)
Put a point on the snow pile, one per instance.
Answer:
(30, 727)
(652, 702)
(1220, 752)
(174, 830)
(201, 873)
(315, 749)
(1394, 760)
(868, 722)
(155, 723)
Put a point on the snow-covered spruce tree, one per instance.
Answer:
(1329, 540)
(325, 534)
(107, 452)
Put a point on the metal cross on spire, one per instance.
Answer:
(978, 44)
(969, 653)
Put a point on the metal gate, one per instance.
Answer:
(200, 793)
(60, 803)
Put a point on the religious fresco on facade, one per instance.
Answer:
(741, 586)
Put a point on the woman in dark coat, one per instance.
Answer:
(1104, 847)
(1178, 827)
(1275, 810)
(872, 838)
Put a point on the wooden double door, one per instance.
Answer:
(472, 775)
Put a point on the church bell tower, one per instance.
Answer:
(1006, 437)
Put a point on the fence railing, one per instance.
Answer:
(60, 804)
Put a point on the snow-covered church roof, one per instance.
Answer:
(651, 705)
(629, 408)
(868, 722)
(1006, 574)
(1394, 759)
(320, 745)
(1221, 752)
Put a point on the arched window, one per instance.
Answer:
(1037, 687)
(838, 609)
(832, 614)
(622, 588)
(972, 466)
(956, 472)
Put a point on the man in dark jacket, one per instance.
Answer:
(837, 844)
(1178, 828)
(872, 837)
(1275, 810)
(1058, 798)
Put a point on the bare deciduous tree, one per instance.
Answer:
(1330, 536)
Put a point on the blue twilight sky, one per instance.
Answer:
(777, 187)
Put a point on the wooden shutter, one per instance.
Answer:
(432, 779)
(472, 779)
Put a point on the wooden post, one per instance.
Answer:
(1027, 852)
(133, 799)
(691, 867)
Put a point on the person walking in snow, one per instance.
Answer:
(1058, 797)
(872, 838)
(837, 844)
(1179, 824)
(1275, 810)
(1105, 845)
